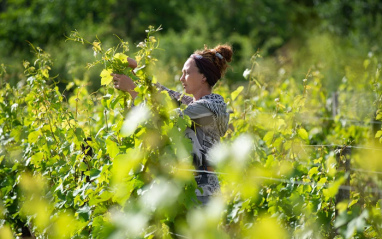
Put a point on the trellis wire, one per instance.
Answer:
(343, 187)
(320, 118)
(341, 146)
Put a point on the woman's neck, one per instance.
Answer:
(201, 93)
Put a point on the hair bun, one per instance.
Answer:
(211, 64)
(225, 51)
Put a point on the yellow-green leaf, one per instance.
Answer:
(106, 77)
(36, 158)
(96, 46)
(33, 136)
(112, 148)
(121, 57)
(83, 166)
(303, 134)
(333, 188)
(235, 94)
(322, 181)
(268, 137)
(313, 171)
(45, 73)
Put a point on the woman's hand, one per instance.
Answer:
(132, 63)
(124, 83)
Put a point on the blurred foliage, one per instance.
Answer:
(91, 166)
(289, 30)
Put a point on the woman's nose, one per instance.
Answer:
(181, 78)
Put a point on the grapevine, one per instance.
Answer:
(93, 166)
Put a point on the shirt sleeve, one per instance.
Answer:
(184, 99)
(196, 111)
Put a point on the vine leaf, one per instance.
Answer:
(112, 148)
(303, 134)
(236, 93)
(106, 77)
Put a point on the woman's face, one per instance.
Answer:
(192, 80)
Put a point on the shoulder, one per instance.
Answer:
(213, 96)
(214, 102)
(212, 99)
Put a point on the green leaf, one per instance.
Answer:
(322, 181)
(303, 134)
(83, 166)
(268, 137)
(379, 116)
(33, 136)
(313, 171)
(84, 212)
(342, 206)
(123, 191)
(378, 134)
(106, 77)
(122, 57)
(36, 158)
(333, 188)
(94, 173)
(236, 93)
(112, 148)
(115, 100)
(79, 134)
(17, 133)
(106, 195)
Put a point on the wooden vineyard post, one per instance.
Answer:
(343, 160)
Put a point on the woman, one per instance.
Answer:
(208, 111)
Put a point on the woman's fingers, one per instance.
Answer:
(124, 83)
(132, 63)
(116, 79)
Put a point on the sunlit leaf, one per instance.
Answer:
(112, 148)
(236, 93)
(106, 78)
(122, 57)
(333, 188)
(268, 137)
(33, 136)
(313, 171)
(303, 134)
(36, 158)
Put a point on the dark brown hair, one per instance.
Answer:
(213, 63)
